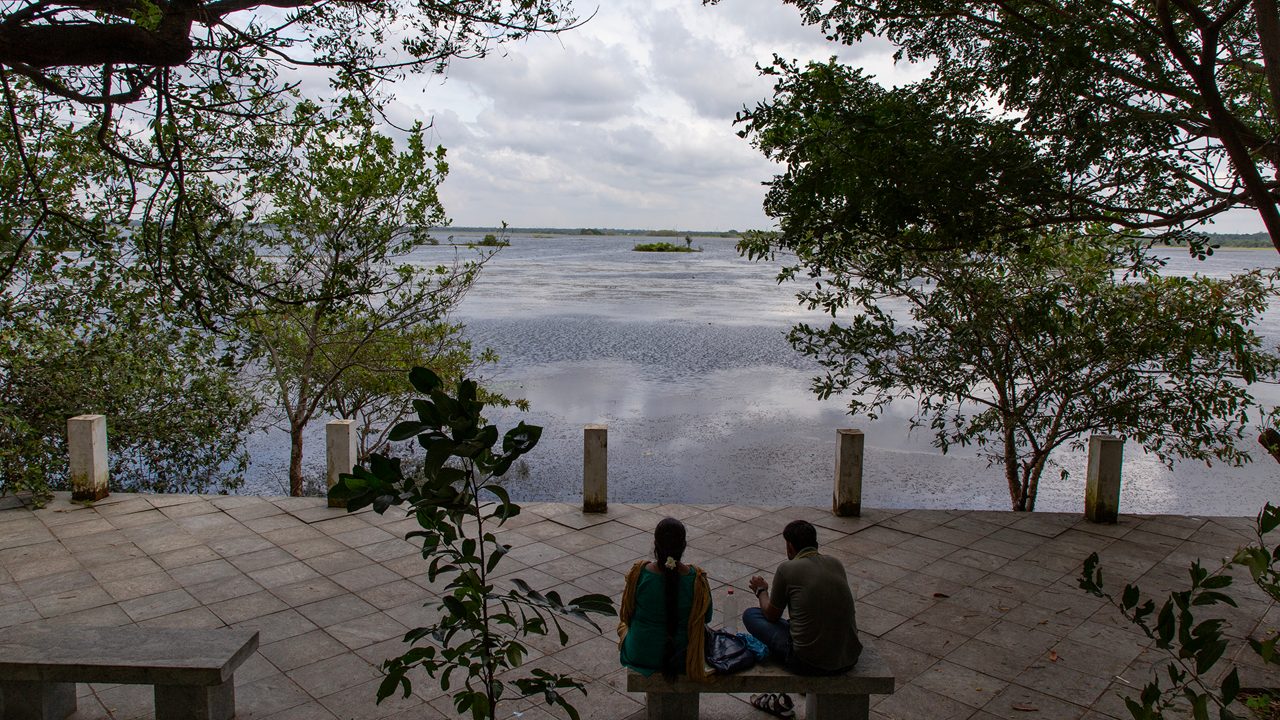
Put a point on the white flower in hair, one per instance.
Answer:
(671, 563)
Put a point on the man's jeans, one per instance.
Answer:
(777, 637)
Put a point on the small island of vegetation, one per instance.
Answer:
(490, 240)
(664, 247)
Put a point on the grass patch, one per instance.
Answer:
(664, 247)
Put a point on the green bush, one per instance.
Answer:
(663, 247)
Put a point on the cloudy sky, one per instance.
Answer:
(626, 122)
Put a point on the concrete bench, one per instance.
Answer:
(832, 697)
(192, 670)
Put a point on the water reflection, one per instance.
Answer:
(685, 357)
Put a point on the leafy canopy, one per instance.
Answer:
(1146, 115)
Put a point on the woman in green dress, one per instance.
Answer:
(665, 606)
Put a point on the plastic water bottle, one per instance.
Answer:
(731, 612)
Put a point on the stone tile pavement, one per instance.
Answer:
(978, 613)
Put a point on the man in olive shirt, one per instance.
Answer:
(822, 635)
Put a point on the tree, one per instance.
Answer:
(1029, 352)
(177, 417)
(84, 332)
(1149, 116)
(182, 98)
(1196, 644)
(456, 496)
(1009, 337)
(342, 216)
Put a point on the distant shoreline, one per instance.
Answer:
(1244, 241)
(591, 232)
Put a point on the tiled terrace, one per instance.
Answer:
(977, 612)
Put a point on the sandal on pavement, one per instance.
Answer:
(776, 704)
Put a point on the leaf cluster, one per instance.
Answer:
(83, 330)
(1195, 645)
(455, 497)
(1147, 115)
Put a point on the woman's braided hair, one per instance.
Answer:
(668, 547)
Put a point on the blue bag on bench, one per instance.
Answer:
(727, 653)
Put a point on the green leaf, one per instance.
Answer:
(521, 439)
(424, 380)
(1091, 577)
(405, 430)
(389, 684)
(1268, 519)
(454, 606)
(1199, 705)
(1230, 687)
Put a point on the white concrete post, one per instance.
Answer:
(847, 498)
(1102, 481)
(87, 443)
(340, 453)
(595, 469)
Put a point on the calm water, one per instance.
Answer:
(684, 356)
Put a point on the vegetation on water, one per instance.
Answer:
(456, 497)
(621, 232)
(490, 240)
(1185, 686)
(664, 247)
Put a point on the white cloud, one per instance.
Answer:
(624, 122)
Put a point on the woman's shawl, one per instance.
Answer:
(695, 665)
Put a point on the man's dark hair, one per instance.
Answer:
(800, 534)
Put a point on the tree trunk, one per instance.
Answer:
(1268, 19)
(1016, 497)
(295, 459)
(1033, 481)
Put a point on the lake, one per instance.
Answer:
(684, 357)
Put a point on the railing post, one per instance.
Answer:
(846, 501)
(87, 445)
(1102, 481)
(595, 469)
(340, 453)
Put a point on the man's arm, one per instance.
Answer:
(761, 589)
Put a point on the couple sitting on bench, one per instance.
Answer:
(665, 604)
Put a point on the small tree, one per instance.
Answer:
(1024, 354)
(373, 391)
(453, 498)
(342, 218)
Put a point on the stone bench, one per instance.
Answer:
(192, 670)
(832, 697)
